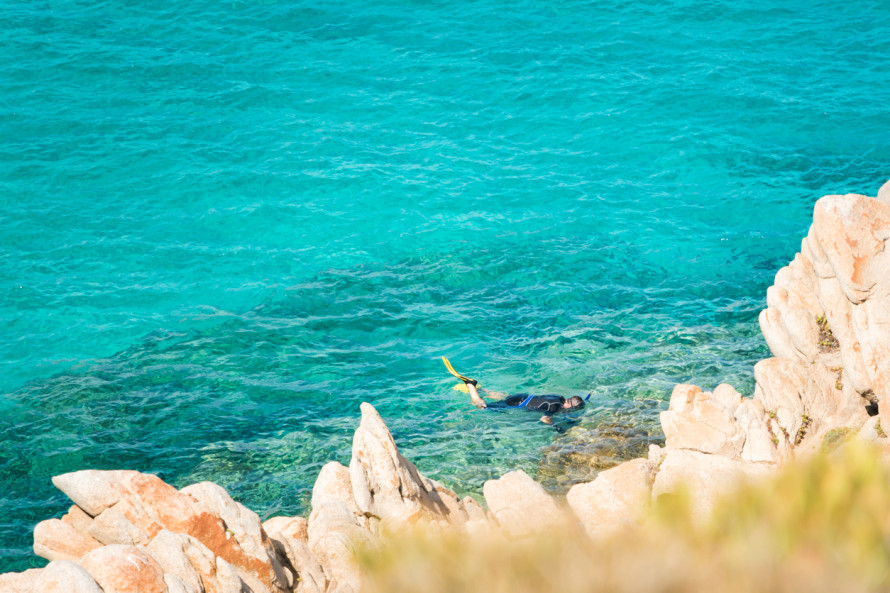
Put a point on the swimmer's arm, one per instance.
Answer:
(495, 394)
(548, 420)
(474, 395)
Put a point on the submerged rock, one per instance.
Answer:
(580, 454)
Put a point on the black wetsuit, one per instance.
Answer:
(544, 404)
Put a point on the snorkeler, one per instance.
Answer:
(546, 404)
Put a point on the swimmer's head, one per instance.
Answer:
(573, 403)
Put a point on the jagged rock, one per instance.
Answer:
(828, 320)
(726, 397)
(520, 505)
(78, 519)
(20, 582)
(656, 454)
(335, 531)
(333, 484)
(474, 510)
(194, 564)
(124, 569)
(615, 500)
(245, 526)
(380, 486)
(760, 444)
(152, 505)
(183, 557)
(851, 231)
(696, 421)
(803, 400)
(229, 579)
(838, 312)
(175, 585)
(447, 505)
(291, 536)
(388, 486)
(112, 527)
(884, 192)
(93, 490)
(290, 527)
(789, 322)
(871, 430)
(706, 477)
(55, 539)
(62, 576)
(477, 519)
(782, 385)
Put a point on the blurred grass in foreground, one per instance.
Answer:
(820, 525)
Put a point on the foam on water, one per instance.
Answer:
(225, 225)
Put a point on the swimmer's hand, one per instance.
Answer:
(546, 419)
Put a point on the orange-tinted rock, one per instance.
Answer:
(193, 564)
(245, 527)
(151, 505)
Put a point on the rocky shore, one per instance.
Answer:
(827, 324)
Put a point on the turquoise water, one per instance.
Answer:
(224, 225)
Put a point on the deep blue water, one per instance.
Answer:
(224, 225)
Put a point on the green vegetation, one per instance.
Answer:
(827, 341)
(839, 371)
(821, 526)
(802, 431)
(879, 430)
(835, 437)
(769, 427)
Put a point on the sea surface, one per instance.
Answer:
(223, 225)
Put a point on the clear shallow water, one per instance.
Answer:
(225, 225)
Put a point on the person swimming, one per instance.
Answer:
(549, 405)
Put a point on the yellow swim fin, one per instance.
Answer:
(455, 373)
(462, 387)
